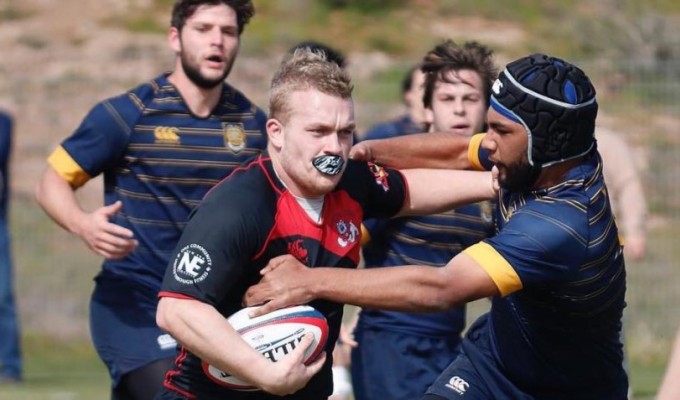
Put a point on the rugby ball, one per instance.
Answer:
(274, 335)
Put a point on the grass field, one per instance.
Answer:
(57, 370)
(71, 371)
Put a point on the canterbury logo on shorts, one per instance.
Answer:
(458, 385)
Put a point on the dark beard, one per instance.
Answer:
(199, 80)
(520, 176)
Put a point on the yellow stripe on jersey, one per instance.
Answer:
(501, 272)
(67, 168)
(473, 151)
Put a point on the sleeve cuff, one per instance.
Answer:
(478, 157)
(501, 272)
(62, 162)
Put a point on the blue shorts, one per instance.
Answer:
(123, 327)
(462, 381)
(476, 375)
(395, 365)
(473, 375)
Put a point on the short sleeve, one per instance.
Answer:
(381, 191)
(97, 145)
(217, 244)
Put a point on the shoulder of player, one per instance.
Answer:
(247, 187)
(236, 99)
(561, 213)
(126, 108)
(354, 167)
(360, 175)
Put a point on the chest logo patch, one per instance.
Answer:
(192, 264)
(234, 136)
(348, 232)
(166, 134)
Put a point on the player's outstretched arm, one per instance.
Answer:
(428, 150)
(57, 198)
(437, 190)
(286, 282)
(208, 335)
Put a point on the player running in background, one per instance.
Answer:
(160, 147)
(302, 197)
(400, 354)
(626, 190)
(555, 267)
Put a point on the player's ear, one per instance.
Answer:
(275, 132)
(429, 115)
(174, 40)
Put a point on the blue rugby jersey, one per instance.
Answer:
(399, 126)
(159, 160)
(424, 240)
(555, 330)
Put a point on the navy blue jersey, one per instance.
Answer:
(250, 218)
(159, 160)
(402, 125)
(425, 240)
(555, 330)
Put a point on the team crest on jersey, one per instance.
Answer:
(234, 136)
(192, 264)
(166, 134)
(297, 250)
(347, 231)
(380, 175)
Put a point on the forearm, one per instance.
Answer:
(405, 288)
(208, 335)
(432, 191)
(429, 150)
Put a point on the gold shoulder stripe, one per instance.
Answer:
(500, 271)
(67, 168)
(473, 151)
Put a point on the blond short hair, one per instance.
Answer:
(302, 70)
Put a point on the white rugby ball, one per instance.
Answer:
(274, 335)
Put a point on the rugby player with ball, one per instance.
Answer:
(303, 197)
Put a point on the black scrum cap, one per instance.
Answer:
(554, 100)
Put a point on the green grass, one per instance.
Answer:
(58, 370)
(70, 370)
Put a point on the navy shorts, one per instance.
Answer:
(473, 375)
(476, 375)
(123, 327)
(397, 366)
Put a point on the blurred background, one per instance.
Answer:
(59, 57)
